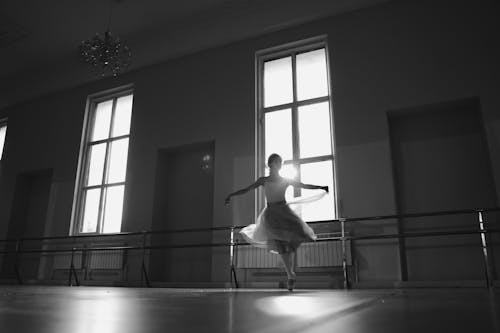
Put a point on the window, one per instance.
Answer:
(294, 119)
(3, 133)
(103, 164)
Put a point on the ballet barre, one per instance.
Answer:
(482, 230)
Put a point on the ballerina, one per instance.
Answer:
(278, 229)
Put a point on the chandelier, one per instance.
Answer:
(106, 55)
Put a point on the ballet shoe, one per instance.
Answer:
(290, 283)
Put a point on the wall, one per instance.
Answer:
(397, 55)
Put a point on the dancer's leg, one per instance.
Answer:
(287, 261)
(285, 257)
(293, 256)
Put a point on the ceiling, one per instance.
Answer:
(38, 42)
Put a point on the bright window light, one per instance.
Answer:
(102, 119)
(312, 80)
(123, 115)
(314, 130)
(113, 210)
(97, 155)
(318, 173)
(279, 134)
(91, 210)
(278, 88)
(118, 161)
(3, 133)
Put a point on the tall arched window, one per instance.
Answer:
(103, 164)
(294, 119)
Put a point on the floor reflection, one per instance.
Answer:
(97, 315)
(306, 306)
(98, 309)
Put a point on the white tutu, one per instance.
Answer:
(279, 229)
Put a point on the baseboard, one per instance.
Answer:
(277, 284)
(419, 284)
(163, 284)
(261, 285)
(8, 281)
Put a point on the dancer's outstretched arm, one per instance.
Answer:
(308, 186)
(258, 183)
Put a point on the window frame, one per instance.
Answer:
(84, 160)
(291, 49)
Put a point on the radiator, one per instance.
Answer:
(111, 259)
(252, 257)
(314, 254)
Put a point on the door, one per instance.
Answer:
(28, 219)
(441, 162)
(183, 200)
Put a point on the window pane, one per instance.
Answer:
(318, 173)
(311, 75)
(96, 164)
(102, 119)
(118, 161)
(91, 210)
(123, 113)
(278, 134)
(278, 82)
(314, 130)
(3, 132)
(114, 209)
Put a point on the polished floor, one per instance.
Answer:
(102, 309)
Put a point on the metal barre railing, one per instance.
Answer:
(482, 231)
(221, 228)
